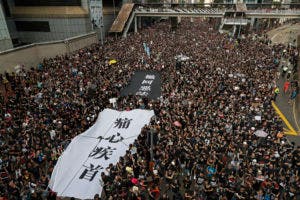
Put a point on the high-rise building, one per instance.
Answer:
(31, 21)
(5, 40)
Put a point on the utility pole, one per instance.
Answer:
(114, 5)
(101, 31)
(151, 138)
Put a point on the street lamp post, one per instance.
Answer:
(114, 5)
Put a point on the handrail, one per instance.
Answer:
(128, 24)
(186, 4)
(235, 20)
(212, 4)
(217, 10)
(47, 42)
(289, 11)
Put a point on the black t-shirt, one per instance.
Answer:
(176, 188)
(256, 186)
(229, 194)
(178, 196)
(105, 179)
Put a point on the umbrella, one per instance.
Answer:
(112, 62)
(18, 69)
(129, 170)
(177, 123)
(279, 135)
(134, 181)
(260, 133)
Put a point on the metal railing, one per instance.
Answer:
(275, 11)
(218, 5)
(154, 10)
(235, 21)
(186, 10)
(151, 11)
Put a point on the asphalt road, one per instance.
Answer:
(290, 110)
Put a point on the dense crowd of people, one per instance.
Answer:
(220, 97)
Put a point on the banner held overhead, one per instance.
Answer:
(144, 83)
(77, 172)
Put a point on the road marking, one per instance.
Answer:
(290, 130)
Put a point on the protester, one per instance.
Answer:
(286, 86)
(215, 96)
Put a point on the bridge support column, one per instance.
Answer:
(139, 22)
(252, 23)
(179, 19)
(269, 23)
(174, 23)
(135, 24)
(257, 25)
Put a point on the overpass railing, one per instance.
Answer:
(179, 9)
(219, 5)
(216, 11)
(274, 11)
(235, 21)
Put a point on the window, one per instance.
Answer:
(35, 26)
(6, 8)
(48, 2)
(110, 3)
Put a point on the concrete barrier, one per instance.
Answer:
(31, 55)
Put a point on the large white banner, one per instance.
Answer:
(78, 169)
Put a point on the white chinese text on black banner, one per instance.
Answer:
(144, 83)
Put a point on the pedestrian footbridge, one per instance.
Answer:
(214, 12)
(122, 18)
(133, 12)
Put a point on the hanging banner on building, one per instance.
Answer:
(144, 83)
(78, 170)
(147, 49)
(96, 13)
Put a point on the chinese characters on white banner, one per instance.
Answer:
(77, 172)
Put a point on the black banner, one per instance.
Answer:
(144, 83)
